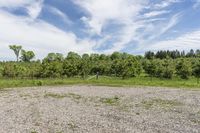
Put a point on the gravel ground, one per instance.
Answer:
(92, 109)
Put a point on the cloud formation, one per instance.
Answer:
(38, 36)
(184, 42)
(102, 26)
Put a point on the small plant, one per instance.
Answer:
(160, 102)
(69, 95)
(137, 113)
(72, 126)
(39, 83)
(110, 101)
(54, 95)
(34, 132)
(74, 96)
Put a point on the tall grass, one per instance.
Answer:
(103, 81)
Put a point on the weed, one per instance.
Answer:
(72, 126)
(59, 96)
(137, 113)
(161, 103)
(34, 132)
(74, 96)
(38, 83)
(110, 101)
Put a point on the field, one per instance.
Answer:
(103, 81)
(86, 108)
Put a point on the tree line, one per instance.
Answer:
(124, 65)
(174, 54)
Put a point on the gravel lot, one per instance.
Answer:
(95, 109)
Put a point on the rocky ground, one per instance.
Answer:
(92, 109)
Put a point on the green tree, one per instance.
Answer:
(27, 56)
(153, 68)
(16, 50)
(85, 66)
(149, 55)
(130, 67)
(183, 69)
(168, 69)
(53, 69)
(1, 70)
(196, 71)
(9, 70)
(72, 64)
(54, 57)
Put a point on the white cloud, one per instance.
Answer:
(35, 8)
(59, 13)
(122, 12)
(128, 14)
(14, 3)
(100, 12)
(155, 13)
(128, 21)
(166, 3)
(164, 27)
(38, 36)
(183, 42)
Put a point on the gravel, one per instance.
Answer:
(95, 109)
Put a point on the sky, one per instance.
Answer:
(98, 26)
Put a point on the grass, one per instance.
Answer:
(160, 103)
(103, 81)
(72, 96)
(110, 101)
(53, 95)
(34, 132)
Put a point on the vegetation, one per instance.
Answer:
(16, 50)
(160, 103)
(164, 68)
(110, 101)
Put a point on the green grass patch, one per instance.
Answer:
(74, 96)
(53, 95)
(60, 96)
(147, 104)
(103, 81)
(113, 101)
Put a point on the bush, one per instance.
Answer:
(38, 83)
(183, 69)
(196, 71)
(168, 69)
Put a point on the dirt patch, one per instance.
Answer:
(99, 109)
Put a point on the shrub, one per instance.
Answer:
(183, 69)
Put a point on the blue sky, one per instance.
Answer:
(100, 26)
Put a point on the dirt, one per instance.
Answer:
(93, 109)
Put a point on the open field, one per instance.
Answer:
(99, 109)
(103, 81)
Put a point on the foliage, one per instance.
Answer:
(54, 57)
(27, 56)
(102, 81)
(183, 69)
(168, 69)
(161, 64)
(196, 71)
(16, 50)
(53, 69)
(163, 54)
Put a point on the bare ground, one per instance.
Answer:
(99, 110)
